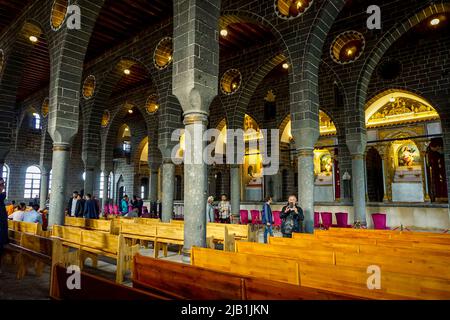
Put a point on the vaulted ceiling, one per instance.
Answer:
(10, 10)
(121, 20)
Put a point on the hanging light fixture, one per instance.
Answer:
(127, 72)
(224, 32)
(33, 39)
(285, 65)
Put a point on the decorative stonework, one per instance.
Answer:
(89, 87)
(45, 108)
(58, 14)
(291, 9)
(151, 106)
(231, 81)
(347, 47)
(105, 118)
(163, 55)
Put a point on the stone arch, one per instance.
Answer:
(14, 60)
(305, 75)
(388, 39)
(65, 44)
(93, 109)
(246, 93)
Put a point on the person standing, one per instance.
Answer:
(224, 209)
(124, 205)
(3, 220)
(72, 205)
(210, 210)
(90, 210)
(267, 218)
(291, 218)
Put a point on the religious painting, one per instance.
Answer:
(326, 164)
(408, 155)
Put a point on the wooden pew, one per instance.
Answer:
(270, 268)
(182, 281)
(94, 288)
(409, 277)
(137, 231)
(91, 243)
(167, 233)
(89, 224)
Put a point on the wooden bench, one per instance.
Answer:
(89, 224)
(137, 231)
(90, 244)
(94, 288)
(167, 233)
(181, 281)
(418, 277)
(269, 268)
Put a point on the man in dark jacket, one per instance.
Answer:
(75, 205)
(267, 218)
(292, 218)
(90, 210)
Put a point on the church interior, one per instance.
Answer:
(336, 115)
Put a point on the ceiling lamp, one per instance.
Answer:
(350, 52)
(130, 111)
(392, 99)
(299, 4)
(285, 65)
(224, 32)
(127, 72)
(435, 21)
(33, 39)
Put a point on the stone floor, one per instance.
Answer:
(34, 288)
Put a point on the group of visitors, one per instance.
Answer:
(135, 205)
(291, 215)
(21, 213)
(83, 207)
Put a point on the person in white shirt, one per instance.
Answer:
(19, 214)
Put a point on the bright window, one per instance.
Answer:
(142, 192)
(102, 185)
(50, 182)
(36, 121)
(32, 182)
(5, 175)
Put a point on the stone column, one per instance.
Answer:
(306, 136)
(195, 182)
(61, 155)
(89, 181)
(168, 189)
(359, 187)
(306, 186)
(195, 84)
(153, 183)
(357, 146)
(235, 188)
(45, 176)
(105, 189)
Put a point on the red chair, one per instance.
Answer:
(316, 220)
(276, 219)
(342, 220)
(327, 219)
(256, 217)
(379, 221)
(244, 216)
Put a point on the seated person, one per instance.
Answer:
(11, 207)
(33, 216)
(18, 215)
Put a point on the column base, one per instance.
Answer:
(186, 255)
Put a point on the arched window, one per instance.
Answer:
(102, 185)
(32, 182)
(36, 121)
(110, 185)
(5, 175)
(50, 181)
